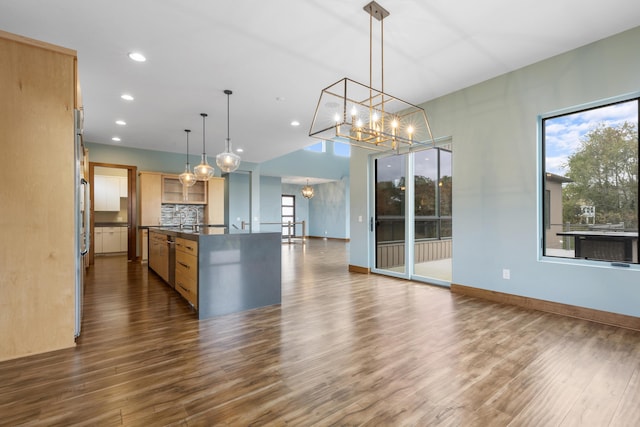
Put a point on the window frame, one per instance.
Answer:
(541, 187)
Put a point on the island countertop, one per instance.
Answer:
(237, 270)
(188, 231)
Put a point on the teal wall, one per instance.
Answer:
(493, 126)
(308, 164)
(328, 210)
(327, 213)
(144, 160)
(270, 202)
(302, 206)
(238, 204)
(253, 194)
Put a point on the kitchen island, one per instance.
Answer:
(216, 270)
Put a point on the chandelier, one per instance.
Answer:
(354, 113)
(228, 161)
(307, 191)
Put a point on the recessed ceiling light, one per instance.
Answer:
(116, 139)
(126, 97)
(121, 122)
(295, 123)
(137, 56)
(239, 150)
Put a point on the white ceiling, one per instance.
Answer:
(278, 55)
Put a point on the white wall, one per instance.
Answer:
(495, 198)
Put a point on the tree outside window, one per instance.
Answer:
(591, 182)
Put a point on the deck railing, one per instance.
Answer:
(393, 254)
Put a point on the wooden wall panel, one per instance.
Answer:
(37, 264)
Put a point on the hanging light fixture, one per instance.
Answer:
(307, 191)
(203, 171)
(187, 178)
(362, 116)
(228, 161)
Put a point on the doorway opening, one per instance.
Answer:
(412, 214)
(288, 216)
(113, 210)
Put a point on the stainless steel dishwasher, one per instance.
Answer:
(171, 243)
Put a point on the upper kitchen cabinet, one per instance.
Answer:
(107, 192)
(215, 198)
(157, 188)
(150, 205)
(38, 84)
(174, 192)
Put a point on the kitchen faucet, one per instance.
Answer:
(197, 223)
(179, 213)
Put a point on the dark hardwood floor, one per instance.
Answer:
(342, 349)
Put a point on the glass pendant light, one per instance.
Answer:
(307, 191)
(187, 178)
(228, 161)
(203, 171)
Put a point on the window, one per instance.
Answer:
(433, 191)
(590, 183)
(320, 147)
(288, 215)
(341, 149)
(432, 196)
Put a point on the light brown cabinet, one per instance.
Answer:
(144, 240)
(150, 204)
(38, 83)
(159, 254)
(215, 201)
(110, 240)
(187, 270)
(174, 192)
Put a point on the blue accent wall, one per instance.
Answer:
(302, 206)
(329, 210)
(144, 160)
(239, 199)
(270, 203)
(308, 164)
(496, 196)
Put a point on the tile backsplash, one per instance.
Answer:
(171, 214)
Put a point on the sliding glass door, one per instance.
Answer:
(432, 215)
(389, 213)
(412, 215)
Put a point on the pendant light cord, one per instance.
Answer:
(228, 93)
(187, 131)
(204, 115)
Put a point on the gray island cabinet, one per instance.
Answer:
(219, 271)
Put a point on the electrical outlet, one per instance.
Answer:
(506, 273)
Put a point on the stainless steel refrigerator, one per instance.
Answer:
(82, 212)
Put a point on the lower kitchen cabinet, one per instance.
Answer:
(110, 240)
(187, 270)
(159, 254)
(97, 240)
